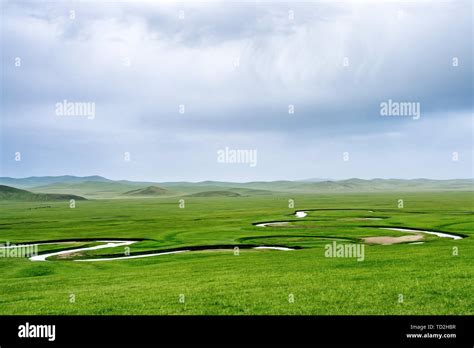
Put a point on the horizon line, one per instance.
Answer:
(237, 182)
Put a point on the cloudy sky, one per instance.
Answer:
(234, 69)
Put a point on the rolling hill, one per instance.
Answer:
(88, 189)
(100, 187)
(149, 191)
(215, 194)
(329, 186)
(15, 194)
(34, 181)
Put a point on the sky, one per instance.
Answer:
(297, 85)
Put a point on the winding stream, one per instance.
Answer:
(109, 244)
(410, 230)
(303, 213)
(122, 243)
(119, 243)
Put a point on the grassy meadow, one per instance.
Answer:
(435, 277)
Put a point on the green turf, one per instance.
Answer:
(428, 276)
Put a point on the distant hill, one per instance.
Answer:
(148, 191)
(36, 181)
(359, 185)
(314, 180)
(251, 192)
(89, 189)
(33, 181)
(100, 187)
(215, 194)
(15, 194)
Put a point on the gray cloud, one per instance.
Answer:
(236, 67)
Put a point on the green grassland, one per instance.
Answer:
(428, 276)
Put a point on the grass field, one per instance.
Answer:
(428, 278)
